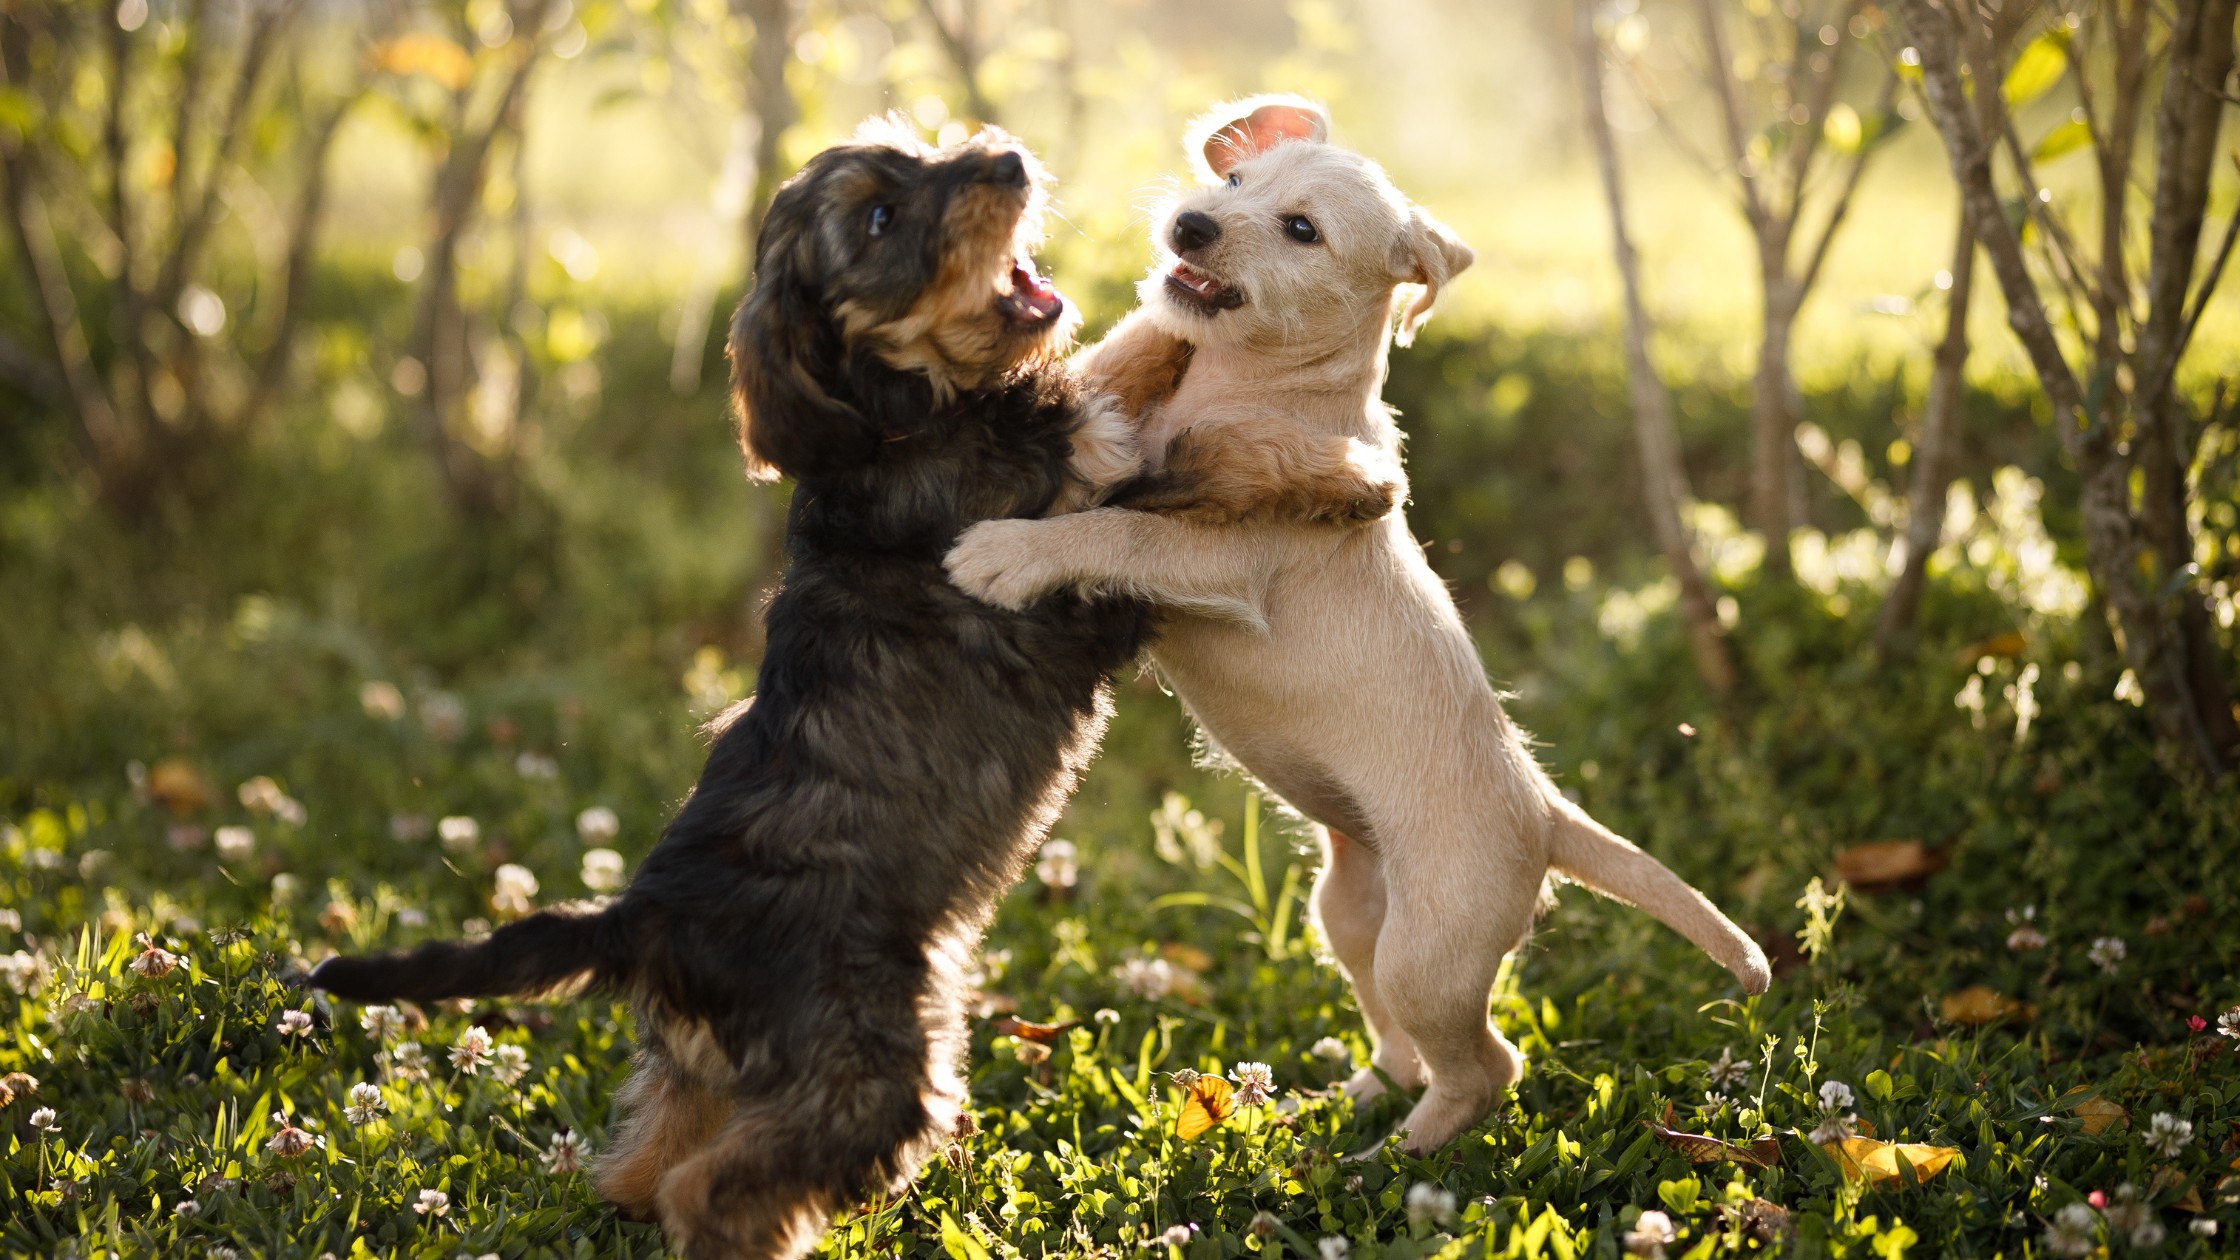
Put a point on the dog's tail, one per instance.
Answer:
(558, 949)
(1591, 854)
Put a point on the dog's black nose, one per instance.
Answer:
(1008, 168)
(1193, 230)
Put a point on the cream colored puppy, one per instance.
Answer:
(1326, 657)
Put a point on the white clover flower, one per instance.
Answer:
(2026, 938)
(1178, 1235)
(219, 1251)
(1334, 1248)
(1106, 1015)
(602, 870)
(1729, 1071)
(1057, 866)
(1148, 978)
(566, 1154)
(290, 1141)
(2228, 1024)
(432, 1203)
(366, 1104)
(235, 843)
(536, 765)
(1832, 1129)
(2167, 1134)
(186, 1207)
(23, 972)
(1836, 1096)
(516, 890)
(2071, 1231)
(42, 1120)
(2107, 953)
(1333, 1051)
(294, 1024)
(458, 833)
(154, 962)
(598, 825)
(285, 888)
(1650, 1235)
(407, 1062)
(381, 1022)
(1256, 1083)
(508, 1064)
(1031, 1053)
(2205, 1227)
(472, 1050)
(1429, 1202)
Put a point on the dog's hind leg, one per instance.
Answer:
(736, 1200)
(1349, 906)
(666, 1117)
(1441, 947)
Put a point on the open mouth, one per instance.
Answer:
(1030, 302)
(1201, 291)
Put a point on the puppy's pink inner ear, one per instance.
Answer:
(1260, 131)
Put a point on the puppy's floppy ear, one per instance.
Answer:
(1228, 135)
(784, 353)
(1428, 253)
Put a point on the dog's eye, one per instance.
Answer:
(1298, 229)
(1236, 180)
(881, 218)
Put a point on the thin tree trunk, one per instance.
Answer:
(773, 104)
(1932, 449)
(2112, 539)
(1664, 478)
(1773, 425)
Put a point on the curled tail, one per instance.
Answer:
(539, 954)
(1589, 853)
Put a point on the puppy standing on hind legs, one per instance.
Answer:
(795, 945)
(1331, 663)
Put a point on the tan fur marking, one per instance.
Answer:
(665, 1118)
(1267, 468)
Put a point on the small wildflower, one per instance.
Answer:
(2070, 1232)
(432, 1203)
(1334, 1248)
(285, 888)
(2107, 953)
(138, 1089)
(366, 1104)
(1032, 1053)
(1057, 866)
(472, 1050)
(2026, 938)
(602, 870)
(458, 833)
(1185, 1077)
(381, 699)
(1256, 1084)
(566, 1153)
(290, 1141)
(1264, 1224)
(186, 1207)
(2196, 1024)
(2098, 1199)
(408, 1062)
(536, 765)
(1836, 1096)
(221, 1252)
(43, 1121)
(1106, 1015)
(154, 961)
(1650, 1235)
(23, 972)
(1429, 1202)
(235, 843)
(338, 916)
(597, 825)
(2204, 1227)
(1334, 1052)
(516, 890)
(2228, 1024)
(1832, 1129)
(294, 1024)
(2167, 1134)
(1178, 1235)
(381, 1022)
(1148, 978)
(508, 1064)
(1728, 1071)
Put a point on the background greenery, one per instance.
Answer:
(306, 599)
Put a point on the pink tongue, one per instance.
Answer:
(1033, 289)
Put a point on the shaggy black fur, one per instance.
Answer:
(794, 943)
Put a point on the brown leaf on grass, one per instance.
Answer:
(1882, 865)
(2096, 1113)
(2008, 645)
(180, 786)
(2167, 1178)
(1042, 1034)
(1189, 956)
(1702, 1148)
(1865, 1159)
(1978, 1005)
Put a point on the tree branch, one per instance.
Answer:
(1720, 71)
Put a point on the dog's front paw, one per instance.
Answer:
(1367, 487)
(997, 562)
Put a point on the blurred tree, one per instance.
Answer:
(1664, 478)
(2130, 431)
(957, 28)
(136, 141)
(1783, 130)
(1932, 444)
(770, 100)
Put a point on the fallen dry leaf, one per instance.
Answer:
(2096, 1113)
(2168, 1178)
(1702, 1148)
(180, 786)
(1864, 1158)
(1189, 956)
(1979, 1004)
(1885, 864)
(1027, 1031)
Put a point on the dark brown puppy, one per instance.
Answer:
(794, 946)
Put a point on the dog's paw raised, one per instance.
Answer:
(996, 563)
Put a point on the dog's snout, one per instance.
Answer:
(1194, 230)
(1009, 169)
